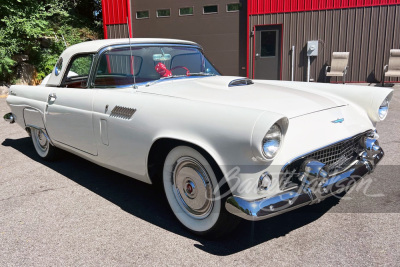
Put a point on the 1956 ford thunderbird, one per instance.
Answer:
(222, 148)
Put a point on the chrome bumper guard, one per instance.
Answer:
(307, 193)
(9, 117)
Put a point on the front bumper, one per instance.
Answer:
(305, 194)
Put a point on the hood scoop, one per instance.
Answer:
(240, 82)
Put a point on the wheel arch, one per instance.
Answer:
(34, 118)
(163, 145)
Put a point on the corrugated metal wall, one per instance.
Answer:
(368, 33)
(257, 7)
(117, 31)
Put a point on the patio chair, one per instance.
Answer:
(338, 65)
(393, 68)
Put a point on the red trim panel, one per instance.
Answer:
(103, 7)
(128, 6)
(116, 12)
(256, 7)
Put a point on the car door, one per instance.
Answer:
(69, 108)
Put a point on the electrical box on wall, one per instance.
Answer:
(312, 48)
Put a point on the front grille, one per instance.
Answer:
(336, 157)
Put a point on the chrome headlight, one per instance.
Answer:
(272, 141)
(383, 109)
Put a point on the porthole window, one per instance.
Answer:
(234, 7)
(210, 9)
(142, 14)
(58, 67)
(163, 13)
(186, 11)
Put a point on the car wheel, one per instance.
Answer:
(42, 146)
(191, 187)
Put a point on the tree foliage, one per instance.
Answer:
(42, 29)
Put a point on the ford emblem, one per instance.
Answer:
(338, 120)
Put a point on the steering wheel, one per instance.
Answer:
(182, 67)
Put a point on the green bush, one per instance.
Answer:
(24, 24)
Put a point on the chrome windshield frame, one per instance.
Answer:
(96, 59)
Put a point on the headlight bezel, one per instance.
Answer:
(383, 109)
(261, 128)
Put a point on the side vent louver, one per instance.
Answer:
(240, 82)
(122, 112)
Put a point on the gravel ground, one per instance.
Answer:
(3, 91)
(72, 212)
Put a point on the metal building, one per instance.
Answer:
(267, 39)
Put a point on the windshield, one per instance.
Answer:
(119, 67)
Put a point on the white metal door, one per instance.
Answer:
(69, 118)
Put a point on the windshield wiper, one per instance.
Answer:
(163, 78)
(178, 76)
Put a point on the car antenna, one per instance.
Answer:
(131, 58)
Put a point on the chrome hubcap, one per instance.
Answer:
(41, 139)
(192, 187)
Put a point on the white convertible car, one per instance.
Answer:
(223, 148)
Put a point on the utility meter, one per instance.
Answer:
(312, 48)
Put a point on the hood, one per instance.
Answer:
(291, 101)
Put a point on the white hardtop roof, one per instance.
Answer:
(96, 45)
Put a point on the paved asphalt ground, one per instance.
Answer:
(72, 212)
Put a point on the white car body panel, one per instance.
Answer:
(287, 101)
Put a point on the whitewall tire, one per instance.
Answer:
(42, 146)
(189, 182)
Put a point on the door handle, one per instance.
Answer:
(52, 97)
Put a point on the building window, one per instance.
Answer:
(142, 14)
(210, 9)
(163, 13)
(233, 7)
(186, 11)
(268, 43)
